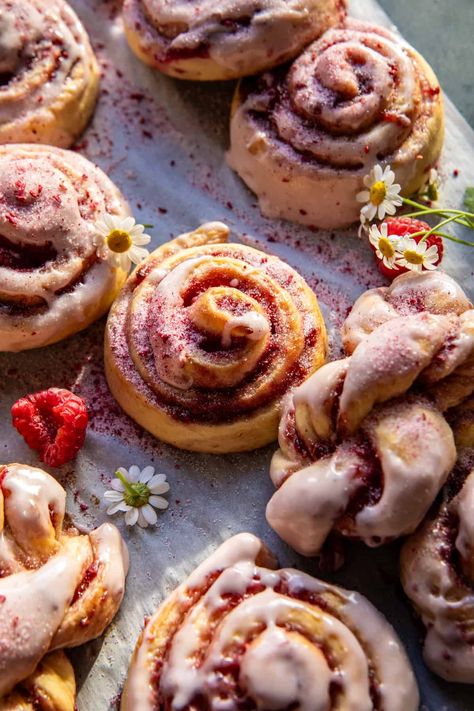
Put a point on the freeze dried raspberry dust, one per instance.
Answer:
(53, 422)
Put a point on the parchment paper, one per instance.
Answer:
(163, 143)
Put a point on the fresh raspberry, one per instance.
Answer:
(53, 422)
(403, 227)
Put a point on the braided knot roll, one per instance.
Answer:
(52, 281)
(304, 136)
(51, 687)
(48, 73)
(437, 566)
(205, 339)
(205, 40)
(364, 448)
(58, 587)
(411, 293)
(239, 634)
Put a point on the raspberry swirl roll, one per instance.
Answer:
(437, 566)
(410, 293)
(58, 587)
(49, 78)
(304, 136)
(240, 634)
(205, 40)
(52, 281)
(364, 446)
(205, 339)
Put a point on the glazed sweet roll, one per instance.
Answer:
(304, 136)
(240, 634)
(364, 446)
(205, 339)
(51, 687)
(52, 280)
(410, 293)
(437, 566)
(205, 40)
(49, 77)
(58, 587)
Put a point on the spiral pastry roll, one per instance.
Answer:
(48, 73)
(52, 281)
(58, 587)
(240, 634)
(437, 567)
(304, 136)
(205, 40)
(364, 448)
(205, 339)
(409, 293)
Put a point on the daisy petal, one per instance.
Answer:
(158, 502)
(140, 240)
(131, 517)
(157, 479)
(116, 484)
(146, 474)
(133, 473)
(142, 522)
(149, 514)
(159, 488)
(113, 496)
(120, 506)
(137, 254)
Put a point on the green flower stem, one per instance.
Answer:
(463, 217)
(136, 494)
(440, 224)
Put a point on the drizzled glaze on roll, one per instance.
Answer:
(58, 588)
(205, 339)
(304, 136)
(205, 40)
(52, 281)
(239, 634)
(364, 447)
(49, 78)
(435, 292)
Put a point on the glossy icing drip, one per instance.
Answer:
(50, 201)
(435, 292)
(364, 448)
(291, 639)
(42, 567)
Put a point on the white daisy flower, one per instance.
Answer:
(386, 246)
(121, 240)
(382, 194)
(137, 494)
(418, 256)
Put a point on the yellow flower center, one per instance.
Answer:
(378, 192)
(386, 247)
(119, 241)
(413, 257)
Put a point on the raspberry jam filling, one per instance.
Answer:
(25, 257)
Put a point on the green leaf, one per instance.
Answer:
(469, 199)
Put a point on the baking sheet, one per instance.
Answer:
(163, 143)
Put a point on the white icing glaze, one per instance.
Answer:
(41, 569)
(435, 292)
(34, 605)
(304, 509)
(355, 94)
(45, 49)
(387, 363)
(272, 30)
(444, 600)
(62, 195)
(356, 424)
(279, 641)
(254, 325)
